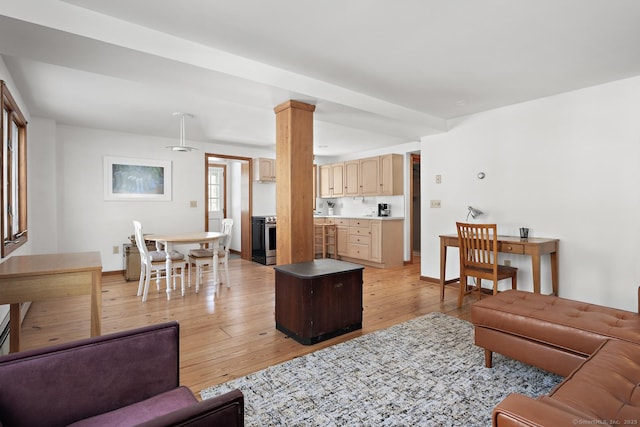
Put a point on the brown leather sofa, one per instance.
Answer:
(596, 348)
(126, 378)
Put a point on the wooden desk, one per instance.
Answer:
(41, 277)
(535, 247)
(168, 240)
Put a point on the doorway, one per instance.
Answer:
(216, 196)
(228, 194)
(414, 210)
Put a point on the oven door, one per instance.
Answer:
(258, 241)
(270, 243)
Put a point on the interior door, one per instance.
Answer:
(216, 203)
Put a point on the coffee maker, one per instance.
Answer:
(384, 209)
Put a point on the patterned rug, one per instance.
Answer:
(424, 372)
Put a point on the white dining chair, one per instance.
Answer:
(202, 257)
(153, 263)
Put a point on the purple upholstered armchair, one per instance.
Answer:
(122, 379)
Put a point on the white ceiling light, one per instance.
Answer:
(183, 145)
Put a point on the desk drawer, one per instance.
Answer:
(511, 248)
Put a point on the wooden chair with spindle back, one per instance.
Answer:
(479, 258)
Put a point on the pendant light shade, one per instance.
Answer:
(183, 144)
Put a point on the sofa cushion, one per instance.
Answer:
(140, 412)
(571, 325)
(77, 380)
(605, 386)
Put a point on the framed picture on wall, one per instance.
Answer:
(137, 179)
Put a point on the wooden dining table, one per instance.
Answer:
(202, 237)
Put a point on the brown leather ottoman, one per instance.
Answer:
(549, 332)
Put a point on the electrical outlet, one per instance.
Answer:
(435, 203)
(507, 262)
(116, 249)
(438, 179)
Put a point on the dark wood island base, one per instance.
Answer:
(318, 300)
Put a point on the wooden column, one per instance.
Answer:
(294, 186)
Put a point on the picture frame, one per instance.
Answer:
(137, 179)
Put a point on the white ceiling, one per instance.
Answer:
(380, 72)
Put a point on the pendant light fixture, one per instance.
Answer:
(183, 145)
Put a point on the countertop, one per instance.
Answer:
(383, 218)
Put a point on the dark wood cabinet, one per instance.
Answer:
(318, 300)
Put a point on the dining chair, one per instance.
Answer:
(153, 263)
(203, 256)
(479, 258)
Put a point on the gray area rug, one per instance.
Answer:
(424, 372)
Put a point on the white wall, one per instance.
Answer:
(566, 166)
(86, 222)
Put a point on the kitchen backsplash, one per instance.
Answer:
(361, 206)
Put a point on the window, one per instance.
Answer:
(14, 173)
(216, 189)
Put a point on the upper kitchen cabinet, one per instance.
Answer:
(381, 176)
(370, 177)
(373, 176)
(264, 170)
(332, 180)
(391, 176)
(352, 178)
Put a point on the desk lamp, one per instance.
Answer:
(474, 213)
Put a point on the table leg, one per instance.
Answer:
(14, 328)
(554, 272)
(96, 303)
(535, 264)
(443, 267)
(216, 245)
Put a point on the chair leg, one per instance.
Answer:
(182, 279)
(141, 281)
(463, 289)
(479, 287)
(198, 274)
(189, 273)
(147, 279)
(226, 272)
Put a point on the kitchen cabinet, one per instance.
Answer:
(391, 175)
(332, 180)
(264, 170)
(359, 245)
(370, 176)
(373, 242)
(342, 231)
(352, 178)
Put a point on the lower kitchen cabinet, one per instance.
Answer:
(373, 242)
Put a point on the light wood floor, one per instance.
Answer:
(235, 334)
